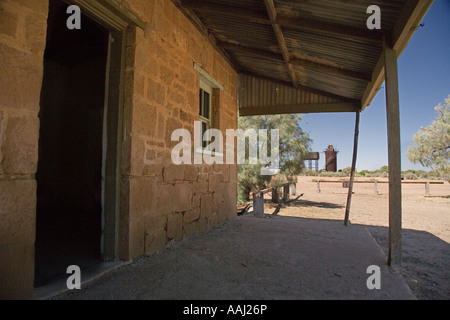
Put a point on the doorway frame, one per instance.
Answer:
(117, 19)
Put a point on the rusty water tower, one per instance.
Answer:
(331, 159)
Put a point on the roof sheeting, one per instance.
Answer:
(329, 47)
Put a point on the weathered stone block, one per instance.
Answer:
(167, 76)
(175, 226)
(202, 177)
(20, 145)
(21, 78)
(171, 125)
(35, 33)
(172, 173)
(182, 196)
(136, 238)
(143, 195)
(8, 23)
(155, 91)
(201, 187)
(206, 205)
(165, 203)
(191, 215)
(40, 6)
(155, 241)
(144, 120)
(202, 224)
(17, 211)
(155, 223)
(214, 181)
(190, 173)
(190, 229)
(195, 199)
(17, 271)
(213, 220)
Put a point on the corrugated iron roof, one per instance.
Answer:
(329, 47)
(343, 12)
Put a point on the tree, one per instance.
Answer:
(432, 143)
(294, 145)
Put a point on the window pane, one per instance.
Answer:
(200, 102)
(204, 128)
(206, 105)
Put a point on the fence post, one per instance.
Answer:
(293, 189)
(285, 192)
(427, 188)
(375, 186)
(258, 204)
(318, 185)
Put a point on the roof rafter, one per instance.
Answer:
(299, 62)
(258, 16)
(272, 12)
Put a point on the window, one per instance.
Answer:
(207, 105)
(204, 110)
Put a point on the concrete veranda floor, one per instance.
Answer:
(249, 258)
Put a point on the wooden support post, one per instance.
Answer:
(318, 185)
(258, 204)
(352, 173)
(394, 163)
(375, 186)
(427, 188)
(293, 188)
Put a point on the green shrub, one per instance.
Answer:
(411, 176)
(424, 176)
(310, 173)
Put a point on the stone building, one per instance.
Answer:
(81, 159)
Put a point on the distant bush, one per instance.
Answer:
(445, 177)
(424, 176)
(363, 173)
(374, 175)
(310, 173)
(325, 173)
(411, 176)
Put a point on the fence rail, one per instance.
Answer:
(345, 183)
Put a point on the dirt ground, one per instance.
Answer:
(304, 252)
(425, 221)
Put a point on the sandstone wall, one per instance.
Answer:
(167, 201)
(22, 44)
(159, 201)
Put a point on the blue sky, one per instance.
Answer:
(424, 82)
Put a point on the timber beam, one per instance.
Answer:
(258, 16)
(300, 108)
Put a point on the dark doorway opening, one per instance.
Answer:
(71, 144)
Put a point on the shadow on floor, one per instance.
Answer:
(282, 258)
(307, 203)
(425, 261)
